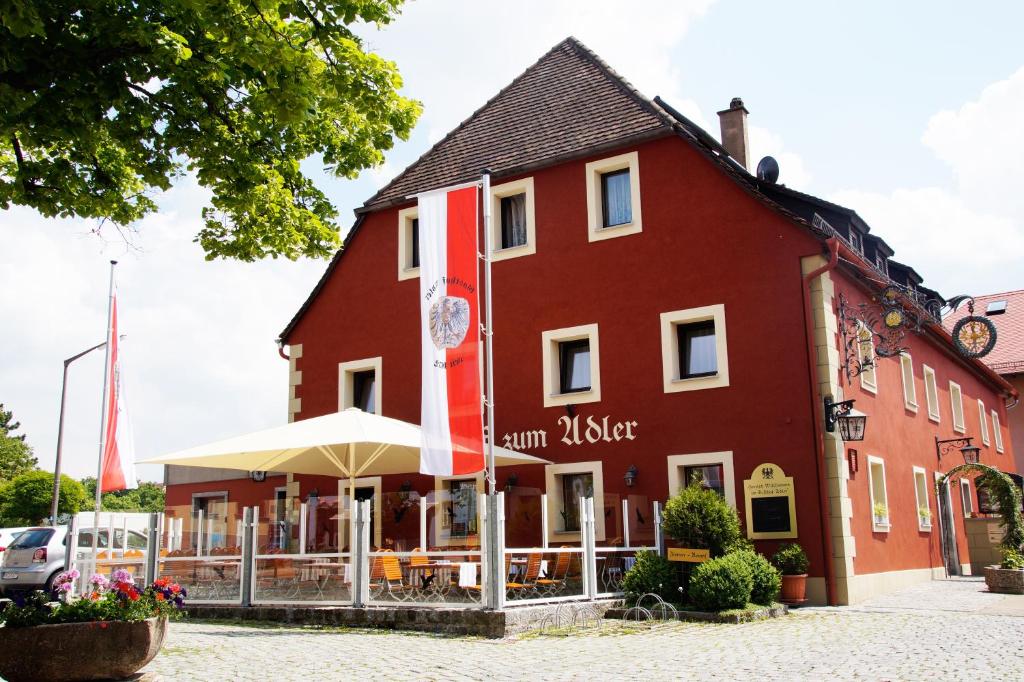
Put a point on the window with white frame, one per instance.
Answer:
(983, 421)
(694, 350)
(359, 385)
(408, 243)
(997, 432)
(866, 355)
(514, 231)
(956, 400)
(909, 390)
(613, 197)
(966, 497)
(565, 485)
(924, 509)
(458, 513)
(571, 365)
(878, 497)
(931, 393)
(715, 470)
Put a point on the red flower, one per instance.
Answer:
(159, 596)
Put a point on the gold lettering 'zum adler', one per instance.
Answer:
(449, 321)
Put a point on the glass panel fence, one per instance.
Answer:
(120, 542)
(290, 578)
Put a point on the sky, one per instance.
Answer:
(909, 113)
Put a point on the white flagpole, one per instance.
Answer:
(103, 421)
(489, 332)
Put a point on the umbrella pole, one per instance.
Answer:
(351, 494)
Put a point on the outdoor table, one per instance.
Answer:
(440, 574)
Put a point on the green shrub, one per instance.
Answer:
(722, 583)
(791, 559)
(1012, 559)
(651, 573)
(699, 518)
(766, 578)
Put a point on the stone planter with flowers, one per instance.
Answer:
(110, 632)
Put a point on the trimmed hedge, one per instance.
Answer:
(699, 517)
(767, 581)
(722, 583)
(651, 573)
(790, 559)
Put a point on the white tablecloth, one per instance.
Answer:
(467, 574)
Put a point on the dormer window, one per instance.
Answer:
(855, 241)
(880, 262)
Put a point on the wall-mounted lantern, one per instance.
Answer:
(630, 476)
(970, 452)
(851, 422)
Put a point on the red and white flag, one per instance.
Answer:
(451, 412)
(118, 446)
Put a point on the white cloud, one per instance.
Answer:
(968, 239)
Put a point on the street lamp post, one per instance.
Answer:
(60, 432)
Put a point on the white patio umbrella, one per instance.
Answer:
(349, 443)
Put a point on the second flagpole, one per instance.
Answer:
(103, 420)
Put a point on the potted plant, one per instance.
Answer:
(111, 631)
(925, 516)
(881, 513)
(791, 560)
(1007, 577)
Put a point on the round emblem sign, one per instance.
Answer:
(974, 336)
(449, 321)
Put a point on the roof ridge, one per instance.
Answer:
(569, 42)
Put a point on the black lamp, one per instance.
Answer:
(969, 450)
(630, 476)
(852, 423)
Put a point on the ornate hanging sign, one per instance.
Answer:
(877, 329)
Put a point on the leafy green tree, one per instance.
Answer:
(15, 454)
(148, 497)
(26, 499)
(103, 102)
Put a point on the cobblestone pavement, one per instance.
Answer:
(940, 630)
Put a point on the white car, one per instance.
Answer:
(36, 556)
(8, 535)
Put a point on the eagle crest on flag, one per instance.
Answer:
(449, 321)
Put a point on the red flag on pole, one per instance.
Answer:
(118, 448)
(451, 409)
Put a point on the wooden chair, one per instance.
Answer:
(529, 581)
(555, 582)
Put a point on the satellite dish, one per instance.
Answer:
(768, 170)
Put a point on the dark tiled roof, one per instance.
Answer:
(567, 103)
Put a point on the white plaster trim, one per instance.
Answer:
(866, 351)
(405, 218)
(922, 476)
(956, 403)
(441, 535)
(346, 389)
(378, 505)
(867, 585)
(552, 377)
(594, 170)
(670, 348)
(983, 421)
(931, 393)
(878, 527)
(552, 485)
(508, 189)
(677, 462)
(997, 432)
(909, 389)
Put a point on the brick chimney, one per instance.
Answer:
(734, 130)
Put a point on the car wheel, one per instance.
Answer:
(48, 587)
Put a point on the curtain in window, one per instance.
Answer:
(513, 221)
(617, 207)
(701, 357)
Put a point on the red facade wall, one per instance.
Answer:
(704, 241)
(904, 439)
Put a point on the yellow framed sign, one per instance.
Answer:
(693, 556)
(770, 503)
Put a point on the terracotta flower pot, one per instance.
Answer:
(794, 589)
(79, 651)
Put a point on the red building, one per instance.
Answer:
(658, 311)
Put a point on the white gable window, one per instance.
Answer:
(359, 385)
(983, 421)
(866, 355)
(694, 351)
(513, 223)
(956, 400)
(909, 390)
(997, 431)
(613, 197)
(931, 393)
(408, 243)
